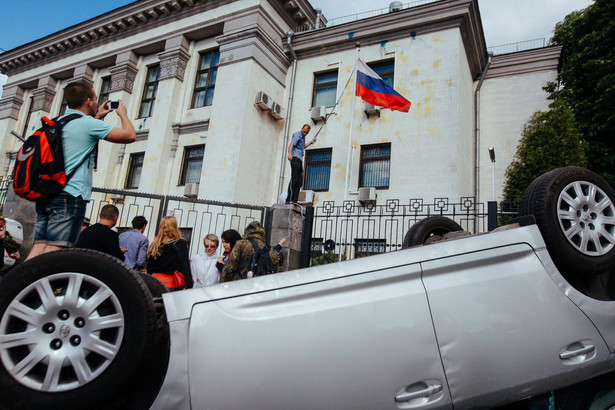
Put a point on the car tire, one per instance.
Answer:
(575, 212)
(84, 310)
(429, 230)
(154, 285)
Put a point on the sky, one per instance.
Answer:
(504, 21)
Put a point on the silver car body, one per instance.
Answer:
(471, 323)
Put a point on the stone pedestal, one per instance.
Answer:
(287, 221)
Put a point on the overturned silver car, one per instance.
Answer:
(475, 321)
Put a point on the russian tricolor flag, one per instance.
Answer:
(373, 90)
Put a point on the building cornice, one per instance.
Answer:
(126, 21)
(428, 18)
(523, 62)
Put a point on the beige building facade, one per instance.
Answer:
(216, 89)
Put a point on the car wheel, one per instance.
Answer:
(154, 285)
(430, 230)
(74, 324)
(574, 211)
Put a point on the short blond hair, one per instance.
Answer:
(211, 237)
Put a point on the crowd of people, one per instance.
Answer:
(61, 222)
(167, 257)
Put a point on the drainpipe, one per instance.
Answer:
(477, 136)
(289, 38)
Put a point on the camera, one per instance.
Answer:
(114, 104)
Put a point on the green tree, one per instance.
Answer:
(587, 79)
(549, 140)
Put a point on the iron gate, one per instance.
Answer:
(196, 217)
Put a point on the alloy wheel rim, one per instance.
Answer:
(586, 216)
(61, 332)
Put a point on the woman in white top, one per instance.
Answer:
(203, 265)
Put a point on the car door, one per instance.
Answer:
(362, 341)
(506, 331)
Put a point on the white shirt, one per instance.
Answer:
(204, 271)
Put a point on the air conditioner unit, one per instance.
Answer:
(263, 101)
(318, 113)
(117, 198)
(191, 190)
(371, 109)
(306, 197)
(277, 111)
(367, 195)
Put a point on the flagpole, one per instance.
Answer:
(354, 86)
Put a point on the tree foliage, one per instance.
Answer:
(549, 140)
(587, 80)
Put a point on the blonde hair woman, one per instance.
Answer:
(167, 256)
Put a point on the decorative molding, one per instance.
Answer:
(9, 107)
(123, 77)
(131, 19)
(423, 19)
(190, 127)
(83, 73)
(121, 153)
(42, 98)
(523, 62)
(173, 64)
(142, 135)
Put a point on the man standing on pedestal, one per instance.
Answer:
(295, 156)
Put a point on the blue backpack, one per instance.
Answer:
(261, 260)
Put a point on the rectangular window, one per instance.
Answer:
(105, 90)
(375, 165)
(149, 92)
(385, 69)
(366, 247)
(63, 107)
(317, 169)
(24, 132)
(192, 165)
(325, 89)
(206, 79)
(135, 167)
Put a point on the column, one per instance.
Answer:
(162, 143)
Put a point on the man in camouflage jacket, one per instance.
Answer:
(240, 259)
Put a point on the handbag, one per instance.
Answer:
(174, 281)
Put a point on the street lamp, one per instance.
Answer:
(492, 157)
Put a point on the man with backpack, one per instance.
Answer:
(251, 256)
(59, 219)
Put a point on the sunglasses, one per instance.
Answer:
(210, 246)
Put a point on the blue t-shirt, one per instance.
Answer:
(298, 142)
(79, 137)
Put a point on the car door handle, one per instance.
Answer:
(429, 391)
(568, 354)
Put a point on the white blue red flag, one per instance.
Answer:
(374, 90)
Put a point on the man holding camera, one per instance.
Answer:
(59, 219)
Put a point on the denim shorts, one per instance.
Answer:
(59, 220)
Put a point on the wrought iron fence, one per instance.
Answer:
(351, 230)
(196, 217)
(519, 46)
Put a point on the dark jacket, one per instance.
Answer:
(7, 243)
(173, 257)
(101, 238)
(240, 259)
